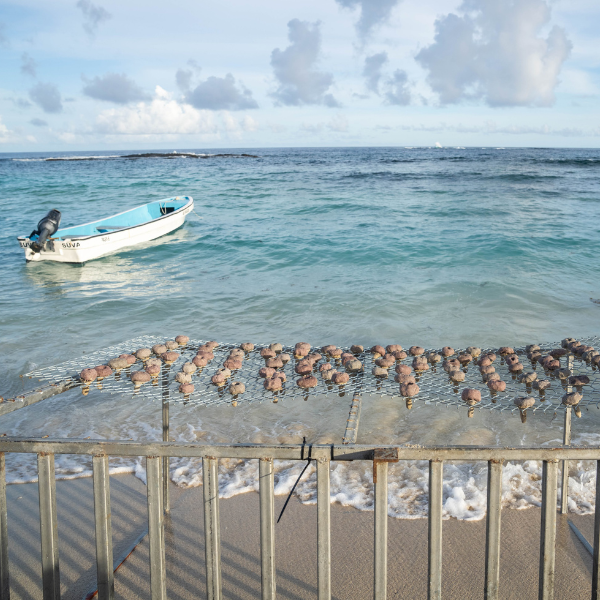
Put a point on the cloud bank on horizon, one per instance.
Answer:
(343, 72)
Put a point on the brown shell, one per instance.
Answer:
(208, 354)
(325, 367)
(237, 388)
(416, 350)
(233, 364)
(140, 377)
(403, 370)
(273, 384)
(200, 360)
(340, 378)
(377, 349)
(88, 375)
(266, 372)
(386, 363)
(275, 362)
(153, 370)
(308, 381)
(393, 348)
(170, 356)
(408, 390)
(143, 353)
(182, 340)
(247, 346)
(404, 379)
(304, 367)
(471, 395)
(103, 371)
(356, 349)
(504, 350)
(186, 388)
(496, 385)
(171, 345)
(267, 353)
(457, 375)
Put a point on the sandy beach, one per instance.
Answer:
(352, 548)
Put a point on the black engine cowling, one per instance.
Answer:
(47, 227)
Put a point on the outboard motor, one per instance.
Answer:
(47, 227)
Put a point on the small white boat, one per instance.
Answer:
(81, 243)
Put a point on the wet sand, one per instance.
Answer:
(352, 548)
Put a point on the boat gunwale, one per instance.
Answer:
(88, 237)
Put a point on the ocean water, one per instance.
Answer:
(453, 246)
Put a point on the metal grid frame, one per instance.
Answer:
(435, 385)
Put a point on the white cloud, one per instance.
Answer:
(372, 70)
(398, 92)
(295, 68)
(114, 87)
(47, 97)
(492, 50)
(217, 93)
(28, 65)
(373, 13)
(93, 16)
(5, 133)
(162, 115)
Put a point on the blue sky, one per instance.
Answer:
(102, 74)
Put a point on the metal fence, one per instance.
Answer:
(323, 455)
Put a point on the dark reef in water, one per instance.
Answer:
(152, 155)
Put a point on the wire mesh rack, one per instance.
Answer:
(435, 385)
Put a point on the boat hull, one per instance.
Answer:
(84, 250)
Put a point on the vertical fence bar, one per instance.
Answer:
(4, 579)
(267, 528)
(48, 527)
(158, 579)
(381, 535)
(564, 492)
(436, 470)
(323, 529)
(548, 533)
(102, 519)
(165, 423)
(596, 561)
(212, 532)
(492, 533)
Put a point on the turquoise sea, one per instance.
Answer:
(427, 246)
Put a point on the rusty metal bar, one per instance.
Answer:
(436, 471)
(548, 533)
(492, 534)
(292, 451)
(158, 579)
(48, 527)
(102, 521)
(267, 528)
(4, 576)
(35, 396)
(323, 530)
(351, 433)
(212, 528)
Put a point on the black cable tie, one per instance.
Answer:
(299, 477)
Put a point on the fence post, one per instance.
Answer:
(381, 537)
(165, 423)
(548, 533)
(158, 581)
(102, 521)
(267, 528)
(212, 532)
(48, 527)
(492, 534)
(436, 470)
(564, 492)
(596, 561)
(323, 529)
(4, 578)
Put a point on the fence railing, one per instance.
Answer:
(158, 453)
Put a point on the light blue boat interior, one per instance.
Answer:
(131, 218)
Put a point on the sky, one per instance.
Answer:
(108, 74)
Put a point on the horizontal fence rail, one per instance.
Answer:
(46, 449)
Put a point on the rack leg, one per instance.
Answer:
(165, 437)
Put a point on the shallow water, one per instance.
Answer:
(389, 245)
